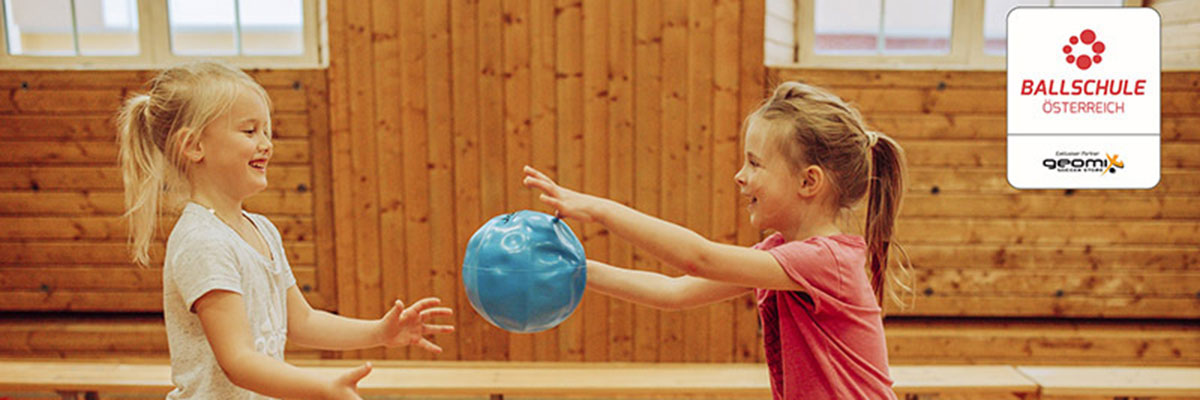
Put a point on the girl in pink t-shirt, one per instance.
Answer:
(809, 158)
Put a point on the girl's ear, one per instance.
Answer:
(812, 179)
(193, 150)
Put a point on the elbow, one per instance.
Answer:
(698, 262)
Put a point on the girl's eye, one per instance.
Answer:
(754, 164)
(249, 132)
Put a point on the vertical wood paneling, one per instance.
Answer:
(620, 162)
(365, 155)
(543, 127)
(647, 131)
(595, 163)
(569, 90)
(493, 186)
(726, 21)
(699, 158)
(444, 260)
(517, 122)
(341, 159)
(674, 172)
(471, 328)
(388, 128)
(414, 163)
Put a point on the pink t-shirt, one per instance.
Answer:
(825, 342)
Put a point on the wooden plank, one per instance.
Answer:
(343, 178)
(1122, 258)
(568, 45)
(67, 101)
(390, 134)
(81, 301)
(320, 182)
(287, 152)
(1032, 282)
(994, 181)
(269, 202)
(470, 328)
(518, 90)
(543, 140)
(1051, 306)
(1049, 205)
(1043, 342)
(621, 167)
(595, 164)
(91, 178)
(752, 90)
(699, 158)
(1116, 381)
(414, 125)
(1048, 232)
(1176, 11)
(114, 228)
(444, 260)
(81, 277)
(648, 75)
(984, 381)
(103, 127)
(949, 153)
(50, 79)
(673, 189)
(493, 187)
(114, 254)
(726, 161)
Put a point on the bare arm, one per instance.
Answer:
(399, 327)
(658, 290)
(672, 243)
(223, 317)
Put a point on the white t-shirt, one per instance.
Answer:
(205, 254)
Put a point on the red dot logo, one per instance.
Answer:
(1087, 46)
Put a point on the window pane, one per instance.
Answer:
(1088, 3)
(202, 27)
(107, 27)
(846, 26)
(995, 22)
(917, 26)
(39, 27)
(272, 27)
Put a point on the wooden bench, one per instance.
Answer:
(85, 380)
(1159, 383)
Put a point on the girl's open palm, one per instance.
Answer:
(409, 326)
(568, 203)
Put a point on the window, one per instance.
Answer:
(63, 34)
(924, 34)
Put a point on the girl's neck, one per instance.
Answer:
(225, 207)
(806, 231)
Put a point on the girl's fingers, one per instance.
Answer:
(538, 174)
(550, 201)
(437, 312)
(438, 329)
(540, 184)
(429, 346)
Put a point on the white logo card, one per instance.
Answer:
(1084, 98)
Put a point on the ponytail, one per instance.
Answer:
(142, 168)
(885, 188)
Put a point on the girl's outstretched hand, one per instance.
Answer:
(345, 387)
(408, 326)
(568, 203)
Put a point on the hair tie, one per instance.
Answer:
(872, 138)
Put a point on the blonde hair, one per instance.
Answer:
(154, 126)
(823, 130)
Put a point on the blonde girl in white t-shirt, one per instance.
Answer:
(199, 142)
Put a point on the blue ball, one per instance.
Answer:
(524, 272)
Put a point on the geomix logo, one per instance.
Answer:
(1096, 122)
(1085, 41)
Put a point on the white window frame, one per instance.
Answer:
(154, 39)
(966, 44)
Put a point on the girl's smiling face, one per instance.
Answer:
(237, 147)
(767, 180)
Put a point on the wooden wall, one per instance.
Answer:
(62, 239)
(436, 105)
(984, 249)
(390, 159)
(1180, 33)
